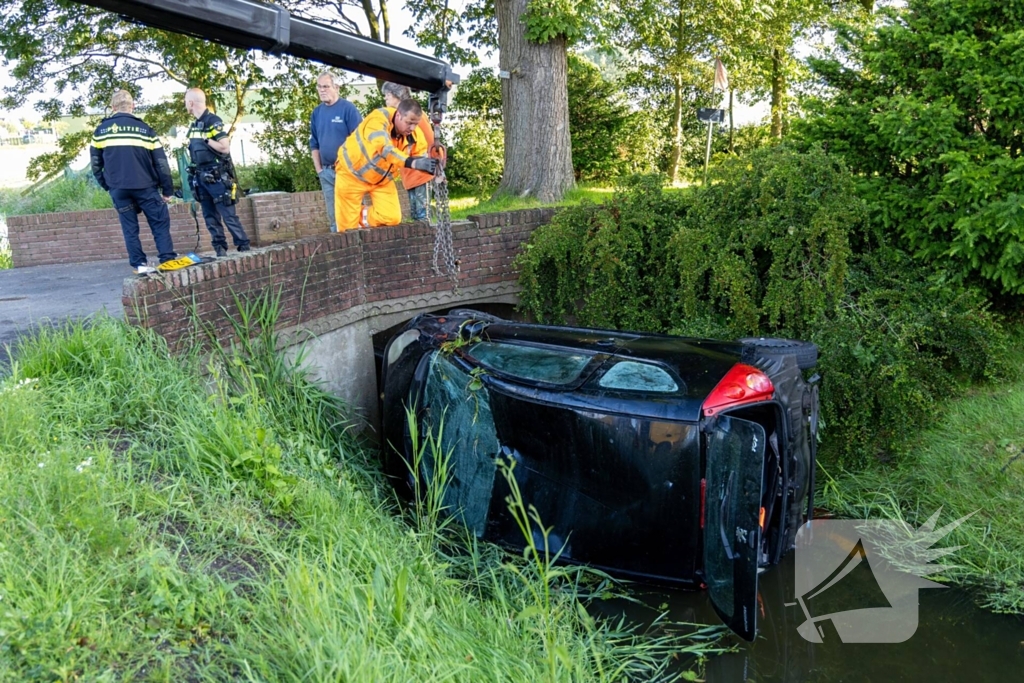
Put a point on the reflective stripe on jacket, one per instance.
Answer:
(375, 150)
(126, 154)
(209, 126)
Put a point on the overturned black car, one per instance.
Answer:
(656, 458)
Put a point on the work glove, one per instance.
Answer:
(425, 164)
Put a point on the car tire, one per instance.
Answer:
(806, 352)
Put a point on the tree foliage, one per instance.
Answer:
(669, 49)
(534, 37)
(349, 15)
(476, 153)
(285, 102)
(927, 108)
(84, 54)
(598, 118)
(607, 139)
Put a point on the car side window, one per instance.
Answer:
(535, 363)
(632, 376)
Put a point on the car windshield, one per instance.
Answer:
(535, 363)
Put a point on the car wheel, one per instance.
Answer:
(806, 352)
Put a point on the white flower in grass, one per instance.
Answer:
(82, 465)
(42, 465)
(27, 382)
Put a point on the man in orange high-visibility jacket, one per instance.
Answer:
(382, 145)
(414, 182)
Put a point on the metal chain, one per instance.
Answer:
(441, 219)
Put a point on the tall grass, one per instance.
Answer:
(66, 194)
(971, 459)
(210, 518)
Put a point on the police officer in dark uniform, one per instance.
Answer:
(212, 175)
(128, 161)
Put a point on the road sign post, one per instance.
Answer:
(711, 117)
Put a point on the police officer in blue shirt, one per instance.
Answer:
(128, 161)
(211, 174)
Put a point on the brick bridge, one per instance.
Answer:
(336, 290)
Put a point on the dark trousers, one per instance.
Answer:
(214, 212)
(127, 203)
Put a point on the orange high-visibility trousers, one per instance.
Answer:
(348, 202)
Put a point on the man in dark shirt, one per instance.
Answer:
(330, 124)
(212, 173)
(128, 161)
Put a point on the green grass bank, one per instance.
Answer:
(971, 460)
(162, 519)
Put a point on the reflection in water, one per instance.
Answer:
(955, 640)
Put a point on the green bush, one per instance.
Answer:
(283, 174)
(901, 340)
(475, 158)
(776, 245)
(766, 245)
(598, 117)
(605, 264)
(285, 101)
(925, 109)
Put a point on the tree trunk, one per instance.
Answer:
(778, 92)
(535, 108)
(677, 129)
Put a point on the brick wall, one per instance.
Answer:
(44, 239)
(326, 274)
(74, 237)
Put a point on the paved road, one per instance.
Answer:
(49, 294)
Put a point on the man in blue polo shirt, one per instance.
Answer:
(331, 123)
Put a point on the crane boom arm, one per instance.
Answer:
(255, 25)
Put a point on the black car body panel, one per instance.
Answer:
(627, 444)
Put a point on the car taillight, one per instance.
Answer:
(742, 384)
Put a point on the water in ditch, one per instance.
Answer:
(955, 639)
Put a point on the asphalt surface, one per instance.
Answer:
(47, 295)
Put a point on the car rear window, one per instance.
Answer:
(632, 376)
(535, 363)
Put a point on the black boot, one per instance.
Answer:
(221, 251)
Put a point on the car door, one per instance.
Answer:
(732, 530)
